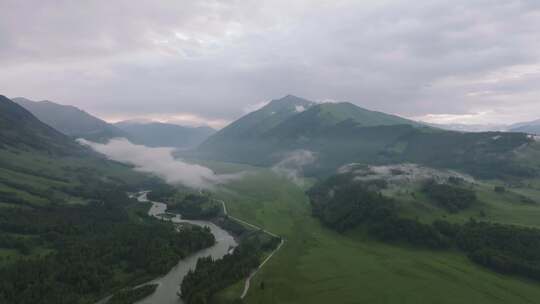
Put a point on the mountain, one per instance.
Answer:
(258, 122)
(155, 134)
(285, 117)
(70, 120)
(65, 212)
(20, 129)
(290, 109)
(340, 133)
(531, 127)
(289, 119)
(41, 166)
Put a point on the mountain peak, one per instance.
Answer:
(287, 105)
(291, 100)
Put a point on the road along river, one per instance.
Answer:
(169, 285)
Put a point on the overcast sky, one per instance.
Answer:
(469, 61)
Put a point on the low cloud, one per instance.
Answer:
(254, 107)
(292, 166)
(160, 162)
(183, 119)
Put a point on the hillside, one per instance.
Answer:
(258, 122)
(65, 216)
(341, 133)
(155, 134)
(41, 166)
(285, 124)
(20, 129)
(319, 265)
(70, 120)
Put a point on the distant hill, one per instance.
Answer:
(155, 134)
(70, 120)
(22, 130)
(531, 127)
(341, 133)
(470, 127)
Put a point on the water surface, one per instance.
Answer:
(169, 285)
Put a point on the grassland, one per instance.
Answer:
(317, 265)
(518, 205)
(41, 179)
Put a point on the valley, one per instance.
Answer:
(280, 209)
(270, 152)
(317, 265)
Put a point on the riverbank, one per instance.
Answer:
(247, 282)
(169, 285)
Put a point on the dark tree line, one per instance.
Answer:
(94, 250)
(342, 205)
(130, 296)
(211, 276)
(503, 248)
(451, 196)
(196, 206)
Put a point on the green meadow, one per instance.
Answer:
(317, 265)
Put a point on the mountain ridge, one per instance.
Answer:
(19, 127)
(70, 120)
(342, 133)
(158, 134)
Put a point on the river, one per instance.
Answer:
(169, 285)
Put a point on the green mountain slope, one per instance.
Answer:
(342, 133)
(328, 115)
(157, 134)
(20, 129)
(70, 120)
(68, 231)
(40, 166)
(258, 122)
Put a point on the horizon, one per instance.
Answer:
(193, 121)
(211, 62)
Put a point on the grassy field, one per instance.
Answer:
(317, 265)
(39, 178)
(516, 206)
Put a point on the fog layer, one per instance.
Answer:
(292, 165)
(160, 162)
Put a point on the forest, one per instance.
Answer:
(506, 249)
(78, 254)
(452, 196)
(211, 276)
(130, 296)
(190, 204)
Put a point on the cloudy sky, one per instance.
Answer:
(469, 61)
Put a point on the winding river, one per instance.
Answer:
(166, 292)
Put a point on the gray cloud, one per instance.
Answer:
(213, 59)
(160, 162)
(292, 165)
